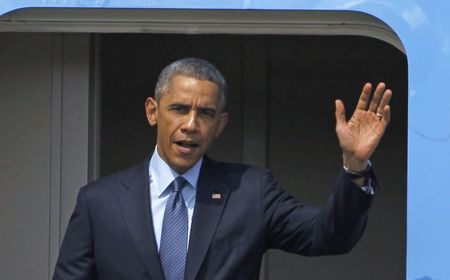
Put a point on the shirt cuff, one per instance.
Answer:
(368, 189)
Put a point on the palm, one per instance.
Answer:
(359, 136)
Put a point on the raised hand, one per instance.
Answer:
(359, 136)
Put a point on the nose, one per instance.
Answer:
(191, 123)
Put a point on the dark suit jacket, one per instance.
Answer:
(110, 234)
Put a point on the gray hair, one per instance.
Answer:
(194, 68)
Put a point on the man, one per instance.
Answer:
(181, 215)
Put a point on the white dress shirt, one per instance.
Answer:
(161, 175)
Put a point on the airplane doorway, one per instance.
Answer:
(282, 91)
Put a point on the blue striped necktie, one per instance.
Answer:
(173, 248)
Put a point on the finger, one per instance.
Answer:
(386, 116)
(384, 101)
(377, 97)
(364, 98)
(340, 113)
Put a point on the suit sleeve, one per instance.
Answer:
(76, 257)
(298, 227)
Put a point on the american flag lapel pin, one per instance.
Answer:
(216, 196)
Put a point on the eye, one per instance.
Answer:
(208, 112)
(179, 108)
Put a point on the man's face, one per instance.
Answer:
(188, 118)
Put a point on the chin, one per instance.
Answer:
(183, 167)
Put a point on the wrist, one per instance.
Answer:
(354, 164)
(359, 173)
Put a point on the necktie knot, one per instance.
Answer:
(178, 184)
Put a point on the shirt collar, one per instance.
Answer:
(162, 174)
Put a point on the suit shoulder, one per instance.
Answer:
(240, 169)
(115, 180)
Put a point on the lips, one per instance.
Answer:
(186, 146)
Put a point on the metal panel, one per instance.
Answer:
(70, 131)
(44, 85)
(75, 121)
(55, 154)
(25, 145)
(199, 22)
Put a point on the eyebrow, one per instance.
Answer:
(178, 104)
(200, 108)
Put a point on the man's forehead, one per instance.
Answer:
(178, 78)
(187, 87)
(185, 98)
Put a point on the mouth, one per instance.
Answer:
(186, 145)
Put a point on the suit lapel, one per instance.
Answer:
(135, 206)
(212, 195)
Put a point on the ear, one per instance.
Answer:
(151, 110)
(223, 120)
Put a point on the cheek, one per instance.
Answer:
(167, 128)
(164, 135)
